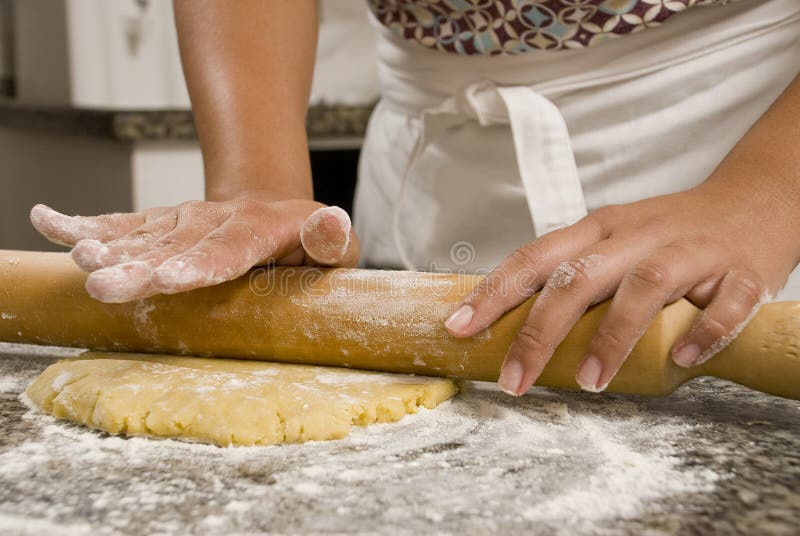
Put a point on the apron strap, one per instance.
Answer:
(545, 160)
(542, 146)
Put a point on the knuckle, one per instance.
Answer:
(155, 213)
(251, 208)
(532, 339)
(220, 239)
(530, 254)
(168, 243)
(519, 273)
(746, 286)
(198, 213)
(192, 207)
(494, 285)
(141, 235)
(713, 327)
(595, 222)
(649, 275)
(570, 274)
(611, 338)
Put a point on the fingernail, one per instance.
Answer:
(588, 375)
(325, 235)
(511, 377)
(687, 355)
(460, 319)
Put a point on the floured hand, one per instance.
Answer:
(197, 243)
(726, 245)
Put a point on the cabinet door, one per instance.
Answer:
(125, 54)
(117, 54)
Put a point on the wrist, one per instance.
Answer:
(253, 168)
(266, 181)
(265, 194)
(761, 205)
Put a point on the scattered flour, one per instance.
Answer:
(550, 461)
(544, 462)
(264, 372)
(383, 299)
(10, 383)
(566, 272)
(7, 316)
(61, 380)
(342, 379)
(141, 317)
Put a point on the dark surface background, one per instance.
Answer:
(334, 175)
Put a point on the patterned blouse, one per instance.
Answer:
(493, 27)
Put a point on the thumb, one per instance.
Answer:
(328, 238)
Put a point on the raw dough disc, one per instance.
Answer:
(226, 401)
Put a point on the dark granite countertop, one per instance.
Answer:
(713, 458)
(324, 121)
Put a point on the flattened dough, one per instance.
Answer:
(225, 401)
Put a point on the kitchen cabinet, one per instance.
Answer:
(118, 54)
(101, 120)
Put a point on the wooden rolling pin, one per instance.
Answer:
(374, 320)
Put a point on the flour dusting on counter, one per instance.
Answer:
(562, 460)
(713, 457)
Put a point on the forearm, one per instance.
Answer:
(248, 65)
(764, 167)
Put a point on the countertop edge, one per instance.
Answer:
(323, 122)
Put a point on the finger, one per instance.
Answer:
(131, 280)
(90, 254)
(328, 238)
(244, 240)
(737, 300)
(660, 278)
(701, 294)
(121, 283)
(573, 287)
(225, 253)
(67, 230)
(519, 276)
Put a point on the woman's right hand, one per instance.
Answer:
(197, 244)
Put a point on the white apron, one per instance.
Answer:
(468, 157)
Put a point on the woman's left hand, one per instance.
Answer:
(726, 245)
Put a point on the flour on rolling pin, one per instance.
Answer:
(362, 299)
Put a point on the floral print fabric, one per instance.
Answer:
(492, 27)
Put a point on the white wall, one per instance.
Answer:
(98, 54)
(124, 55)
(346, 71)
(166, 173)
(115, 54)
